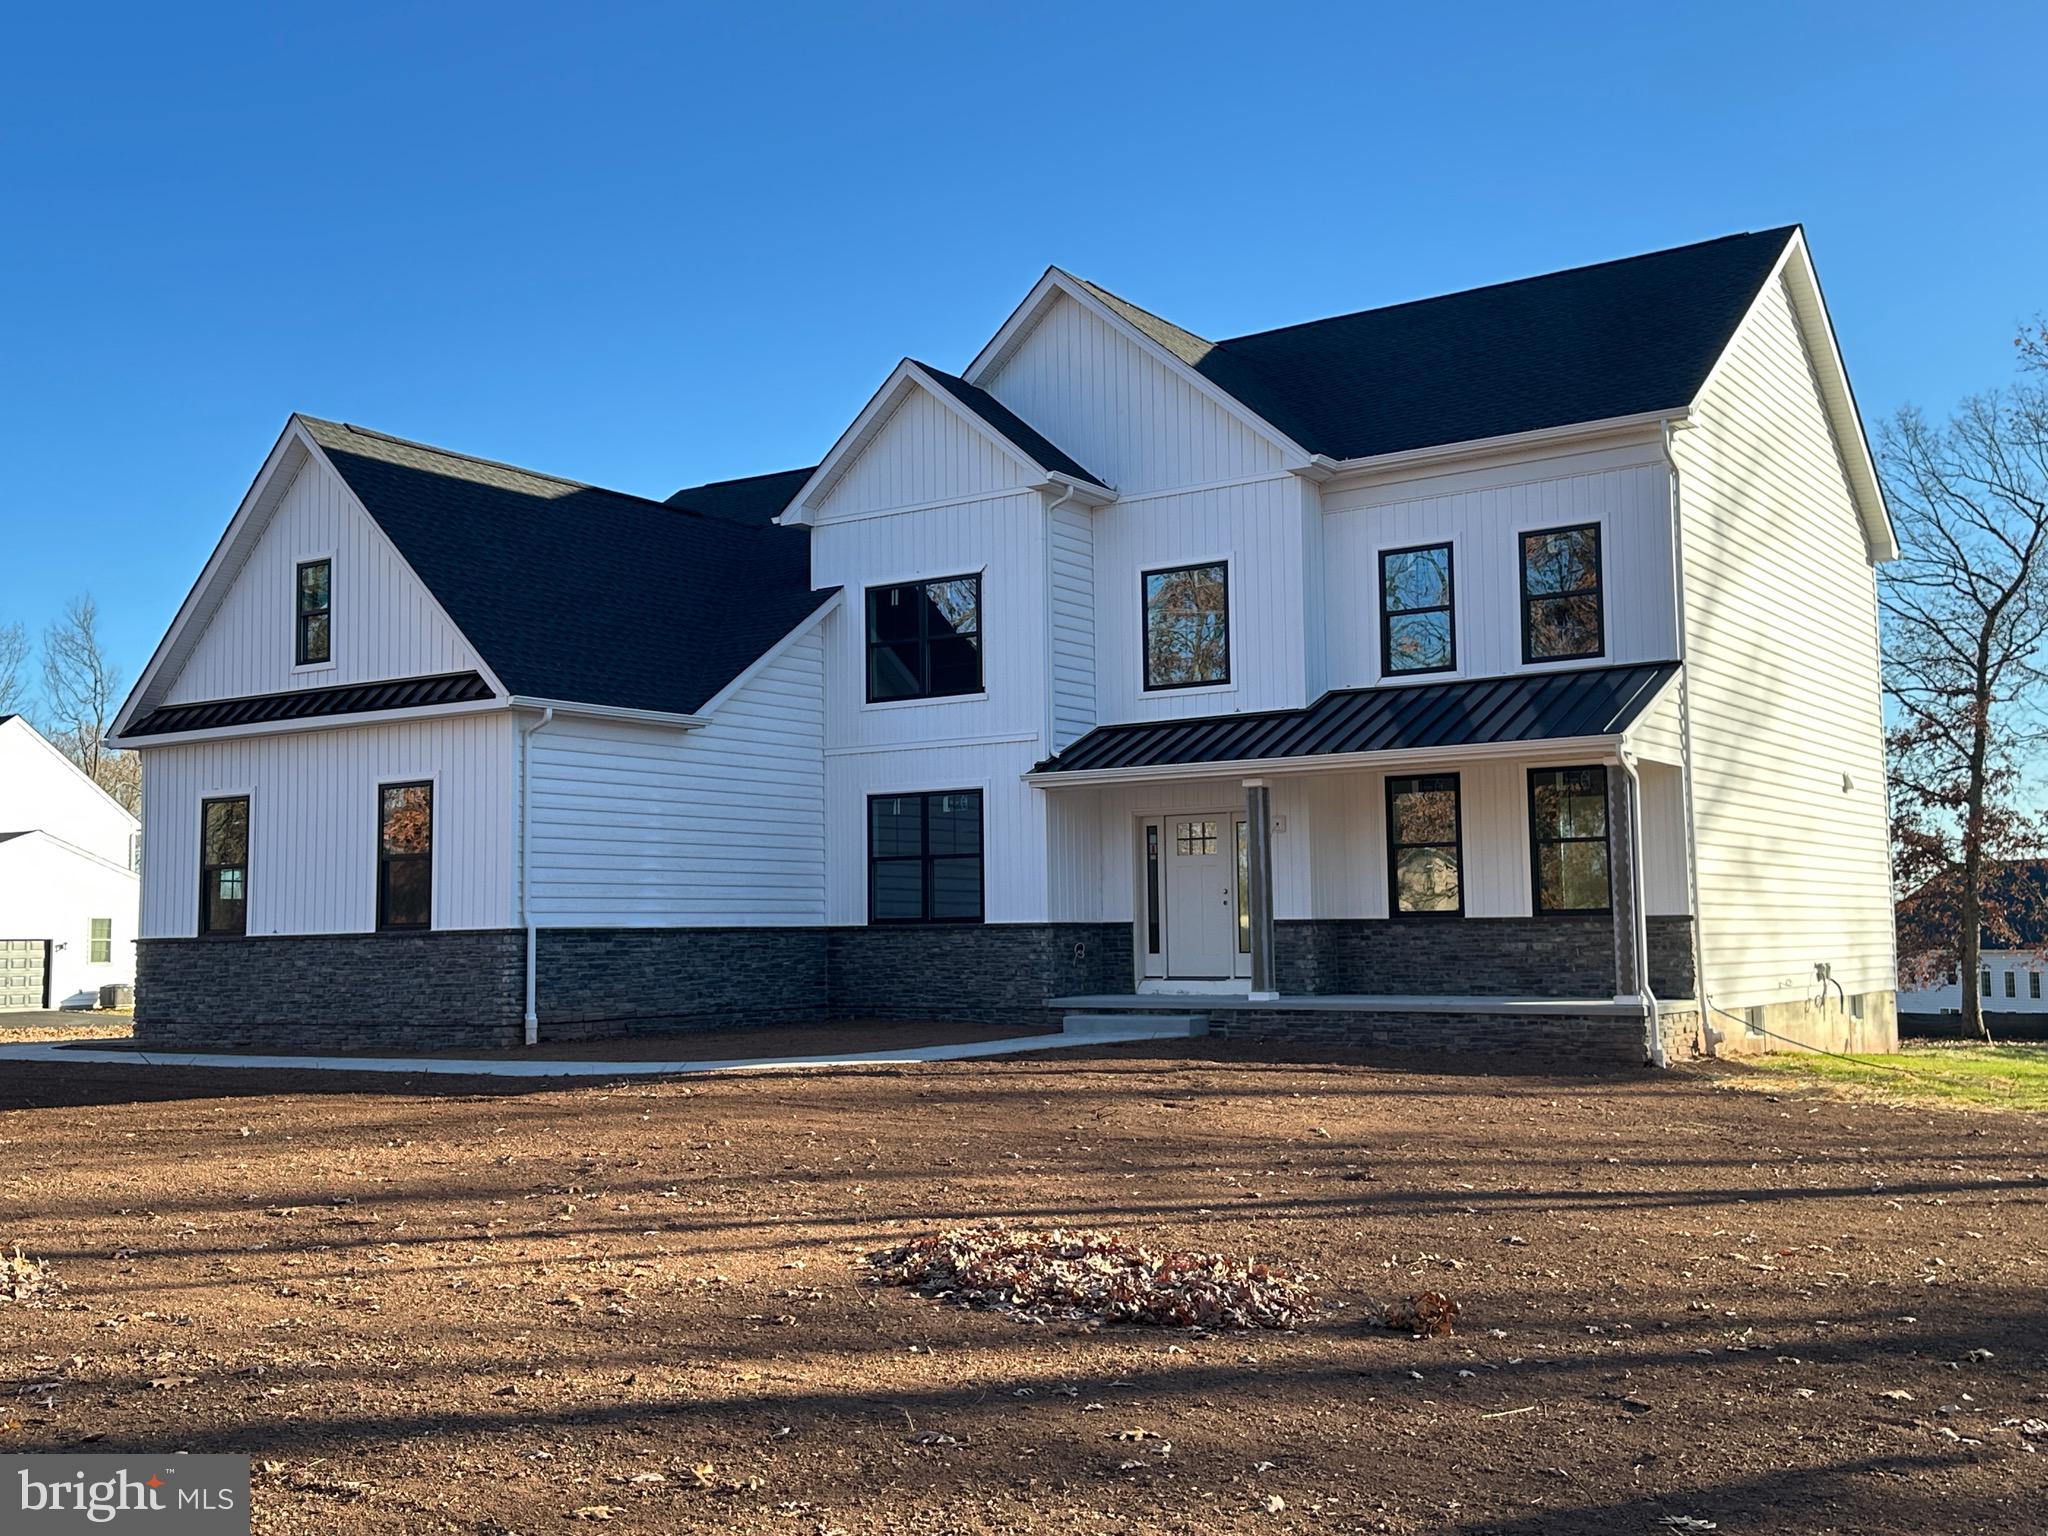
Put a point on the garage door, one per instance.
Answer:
(24, 964)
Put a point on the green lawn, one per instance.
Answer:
(1978, 1076)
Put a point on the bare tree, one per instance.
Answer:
(14, 668)
(82, 692)
(1965, 612)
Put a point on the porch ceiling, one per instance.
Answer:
(1525, 709)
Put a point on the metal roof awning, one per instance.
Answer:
(312, 703)
(1524, 709)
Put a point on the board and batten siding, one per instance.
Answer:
(723, 826)
(313, 823)
(1482, 514)
(385, 623)
(1783, 686)
(923, 451)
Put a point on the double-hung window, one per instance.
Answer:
(2010, 988)
(924, 639)
(314, 645)
(1416, 632)
(1424, 847)
(101, 941)
(924, 857)
(1187, 626)
(224, 865)
(405, 856)
(1568, 839)
(1561, 594)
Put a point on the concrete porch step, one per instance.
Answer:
(1162, 1026)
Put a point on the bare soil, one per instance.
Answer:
(490, 1307)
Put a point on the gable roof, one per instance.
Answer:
(1622, 338)
(1009, 424)
(751, 499)
(2017, 889)
(572, 592)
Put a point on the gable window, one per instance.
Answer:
(224, 865)
(924, 858)
(315, 612)
(1415, 610)
(1187, 626)
(1424, 858)
(1568, 839)
(405, 856)
(102, 941)
(924, 639)
(1561, 594)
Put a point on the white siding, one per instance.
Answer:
(1947, 997)
(50, 889)
(1783, 684)
(923, 452)
(717, 827)
(1481, 514)
(1132, 420)
(1072, 534)
(385, 624)
(41, 790)
(313, 823)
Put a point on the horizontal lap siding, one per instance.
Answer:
(1782, 684)
(717, 827)
(385, 624)
(313, 823)
(1073, 624)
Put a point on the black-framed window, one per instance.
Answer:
(924, 639)
(925, 857)
(1568, 839)
(1416, 629)
(1152, 888)
(2033, 984)
(1425, 860)
(2011, 985)
(315, 610)
(1987, 981)
(224, 865)
(405, 856)
(101, 942)
(1561, 616)
(1187, 626)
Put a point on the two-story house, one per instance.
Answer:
(1497, 670)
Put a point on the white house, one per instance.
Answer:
(69, 896)
(1498, 670)
(2011, 962)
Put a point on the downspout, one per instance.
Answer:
(1708, 1034)
(1065, 496)
(1653, 1033)
(526, 735)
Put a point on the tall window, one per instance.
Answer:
(2033, 983)
(1187, 626)
(102, 941)
(1561, 594)
(1415, 610)
(1152, 888)
(2010, 988)
(1568, 839)
(315, 612)
(405, 856)
(1986, 988)
(224, 865)
(924, 858)
(1423, 845)
(924, 639)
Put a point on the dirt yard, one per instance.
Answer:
(448, 1307)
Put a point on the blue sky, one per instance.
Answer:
(651, 245)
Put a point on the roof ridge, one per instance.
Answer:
(1511, 282)
(1101, 292)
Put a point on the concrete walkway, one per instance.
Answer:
(524, 1066)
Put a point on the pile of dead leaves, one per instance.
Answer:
(1430, 1314)
(1093, 1277)
(24, 1281)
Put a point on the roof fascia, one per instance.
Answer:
(50, 747)
(622, 713)
(1530, 751)
(769, 657)
(44, 835)
(1056, 284)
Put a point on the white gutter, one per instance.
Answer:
(1692, 830)
(526, 735)
(1564, 749)
(1321, 467)
(1653, 1034)
(610, 712)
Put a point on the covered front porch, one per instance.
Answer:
(1499, 865)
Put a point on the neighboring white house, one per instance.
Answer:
(2012, 964)
(1497, 670)
(69, 896)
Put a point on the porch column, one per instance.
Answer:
(1258, 835)
(1621, 867)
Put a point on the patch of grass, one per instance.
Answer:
(1966, 1076)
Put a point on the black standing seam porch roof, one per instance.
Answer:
(1491, 711)
(313, 703)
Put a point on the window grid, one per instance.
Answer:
(1192, 838)
(932, 648)
(1563, 597)
(314, 645)
(1185, 614)
(405, 856)
(2012, 984)
(1424, 646)
(927, 865)
(224, 866)
(1554, 843)
(102, 941)
(1435, 839)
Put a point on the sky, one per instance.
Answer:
(651, 245)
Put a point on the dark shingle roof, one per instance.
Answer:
(755, 499)
(2016, 889)
(1011, 425)
(1547, 706)
(1623, 338)
(576, 593)
(313, 703)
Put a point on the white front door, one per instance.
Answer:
(1201, 897)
